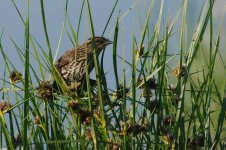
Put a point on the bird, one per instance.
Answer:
(72, 64)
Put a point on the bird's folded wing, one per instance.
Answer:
(65, 59)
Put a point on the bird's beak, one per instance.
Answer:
(107, 42)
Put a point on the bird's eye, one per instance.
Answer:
(98, 41)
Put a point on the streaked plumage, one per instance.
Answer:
(71, 65)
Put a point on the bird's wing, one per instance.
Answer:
(66, 58)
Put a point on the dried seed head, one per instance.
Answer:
(169, 120)
(18, 141)
(176, 72)
(85, 116)
(154, 106)
(168, 139)
(149, 83)
(95, 101)
(87, 121)
(197, 142)
(136, 128)
(89, 135)
(179, 72)
(36, 120)
(118, 94)
(201, 140)
(45, 91)
(113, 145)
(183, 70)
(15, 77)
(74, 105)
(140, 52)
(4, 107)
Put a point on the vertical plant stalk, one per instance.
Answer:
(94, 138)
(115, 54)
(5, 131)
(79, 22)
(26, 82)
(46, 33)
(161, 64)
(54, 123)
(133, 88)
(97, 70)
(125, 139)
(209, 81)
(221, 120)
(180, 121)
(193, 49)
(103, 78)
(116, 2)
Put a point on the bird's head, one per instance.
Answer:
(101, 42)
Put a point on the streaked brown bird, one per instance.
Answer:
(72, 64)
